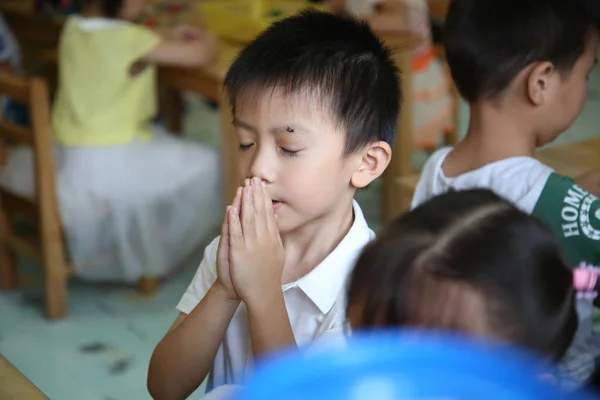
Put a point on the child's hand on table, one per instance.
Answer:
(256, 255)
(190, 34)
(186, 33)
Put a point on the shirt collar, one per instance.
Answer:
(96, 23)
(324, 283)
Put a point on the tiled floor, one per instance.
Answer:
(101, 350)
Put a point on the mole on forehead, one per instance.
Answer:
(285, 128)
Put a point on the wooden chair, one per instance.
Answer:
(401, 178)
(406, 182)
(46, 247)
(438, 10)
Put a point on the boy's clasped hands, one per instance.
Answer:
(250, 257)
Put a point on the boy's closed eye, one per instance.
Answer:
(289, 153)
(284, 150)
(245, 147)
(287, 137)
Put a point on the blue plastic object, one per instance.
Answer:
(405, 366)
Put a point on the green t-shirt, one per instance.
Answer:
(574, 216)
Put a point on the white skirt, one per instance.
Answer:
(131, 210)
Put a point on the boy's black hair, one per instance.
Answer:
(110, 8)
(472, 263)
(489, 42)
(339, 60)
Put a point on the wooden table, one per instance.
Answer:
(14, 386)
(574, 159)
(39, 34)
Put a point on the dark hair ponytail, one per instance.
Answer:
(472, 263)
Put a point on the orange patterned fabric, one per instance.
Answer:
(420, 63)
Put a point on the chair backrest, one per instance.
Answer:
(405, 138)
(394, 195)
(33, 33)
(42, 206)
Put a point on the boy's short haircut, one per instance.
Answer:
(336, 61)
(489, 42)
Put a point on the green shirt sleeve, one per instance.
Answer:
(574, 216)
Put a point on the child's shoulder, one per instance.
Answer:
(207, 270)
(518, 179)
(104, 27)
(205, 276)
(84, 40)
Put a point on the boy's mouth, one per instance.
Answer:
(277, 205)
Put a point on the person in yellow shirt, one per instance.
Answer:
(133, 200)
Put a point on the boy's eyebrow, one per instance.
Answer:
(241, 124)
(291, 128)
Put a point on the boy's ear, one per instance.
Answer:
(375, 159)
(539, 82)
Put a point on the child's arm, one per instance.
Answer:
(184, 48)
(184, 357)
(270, 328)
(572, 213)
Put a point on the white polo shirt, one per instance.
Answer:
(315, 303)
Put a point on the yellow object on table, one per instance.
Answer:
(241, 20)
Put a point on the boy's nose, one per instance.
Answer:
(265, 178)
(262, 167)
